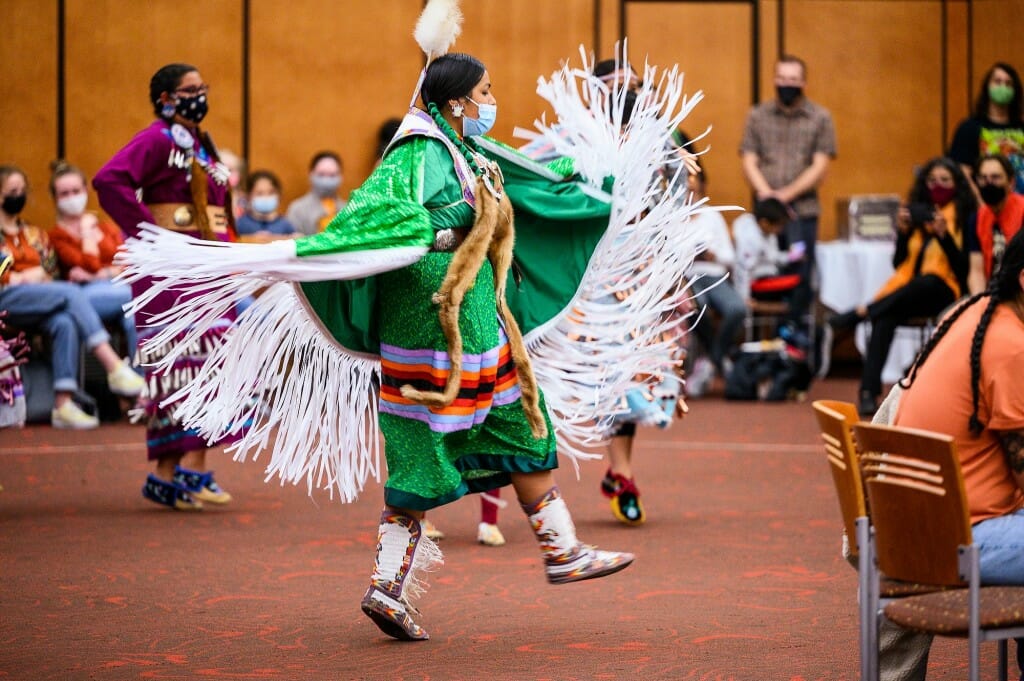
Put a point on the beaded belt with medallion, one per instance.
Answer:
(181, 217)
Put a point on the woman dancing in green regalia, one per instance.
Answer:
(398, 317)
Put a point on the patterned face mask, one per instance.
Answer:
(192, 108)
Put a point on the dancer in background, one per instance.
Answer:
(184, 188)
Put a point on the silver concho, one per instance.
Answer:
(182, 137)
(444, 240)
(182, 216)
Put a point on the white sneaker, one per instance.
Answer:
(70, 415)
(125, 382)
(490, 535)
(699, 380)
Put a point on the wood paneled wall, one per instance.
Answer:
(897, 74)
(712, 59)
(28, 97)
(888, 120)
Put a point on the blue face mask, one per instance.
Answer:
(471, 127)
(264, 204)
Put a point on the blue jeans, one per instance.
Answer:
(1001, 549)
(61, 310)
(903, 654)
(109, 299)
(732, 309)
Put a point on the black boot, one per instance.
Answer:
(867, 404)
(846, 320)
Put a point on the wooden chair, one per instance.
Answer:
(922, 533)
(835, 420)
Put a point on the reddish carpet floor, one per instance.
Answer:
(738, 575)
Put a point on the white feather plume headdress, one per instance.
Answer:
(437, 28)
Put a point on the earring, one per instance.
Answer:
(457, 110)
(168, 110)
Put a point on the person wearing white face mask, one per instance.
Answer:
(263, 221)
(312, 212)
(85, 247)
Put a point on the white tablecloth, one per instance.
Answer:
(850, 273)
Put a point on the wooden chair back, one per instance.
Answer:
(918, 505)
(835, 421)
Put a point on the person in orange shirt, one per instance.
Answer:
(967, 383)
(930, 267)
(33, 298)
(85, 247)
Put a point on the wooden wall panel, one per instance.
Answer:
(715, 59)
(768, 48)
(996, 35)
(28, 98)
(114, 48)
(959, 98)
(325, 75)
(876, 65)
(610, 26)
(520, 42)
(328, 91)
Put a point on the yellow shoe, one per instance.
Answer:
(429, 531)
(490, 535)
(125, 382)
(70, 415)
(201, 486)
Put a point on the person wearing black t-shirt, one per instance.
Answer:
(995, 127)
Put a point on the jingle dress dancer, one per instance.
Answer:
(174, 168)
(398, 318)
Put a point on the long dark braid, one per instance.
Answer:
(1004, 287)
(922, 355)
(974, 422)
(454, 137)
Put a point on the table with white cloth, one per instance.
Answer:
(850, 274)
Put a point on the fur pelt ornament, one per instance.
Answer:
(492, 237)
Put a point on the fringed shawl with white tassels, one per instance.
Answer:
(308, 353)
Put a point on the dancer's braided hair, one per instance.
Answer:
(451, 76)
(454, 137)
(1004, 287)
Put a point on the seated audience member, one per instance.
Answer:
(1000, 216)
(236, 181)
(32, 298)
(262, 221)
(387, 131)
(966, 384)
(710, 284)
(930, 263)
(757, 274)
(85, 247)
(312, 212)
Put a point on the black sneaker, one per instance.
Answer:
(846, 320)
(867, 404)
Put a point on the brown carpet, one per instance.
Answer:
(738, 574)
